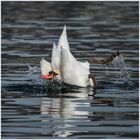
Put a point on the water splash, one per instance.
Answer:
(106, 68)
(33, 70)
(34, 74)
(121, 70)
(121, 67)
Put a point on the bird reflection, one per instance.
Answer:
(64, 111)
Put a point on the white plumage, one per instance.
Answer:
(65, 64)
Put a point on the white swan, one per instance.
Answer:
(65, 65)
(73, 72)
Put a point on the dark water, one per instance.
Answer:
(30, 110)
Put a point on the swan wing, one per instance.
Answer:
(45, 66)
(86, 65)
(63, 41)
(72, 71)
(55, 62)
(55, 58)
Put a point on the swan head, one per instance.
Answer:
(50, 75)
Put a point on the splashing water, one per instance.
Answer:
(33, 70)
(120, 65)
(106, 68)
(34, 74)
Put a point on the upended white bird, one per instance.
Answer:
(64, 66)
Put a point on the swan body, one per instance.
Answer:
(65, 64)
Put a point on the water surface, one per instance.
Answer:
(32, 110)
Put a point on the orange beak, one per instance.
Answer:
(48, 76)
